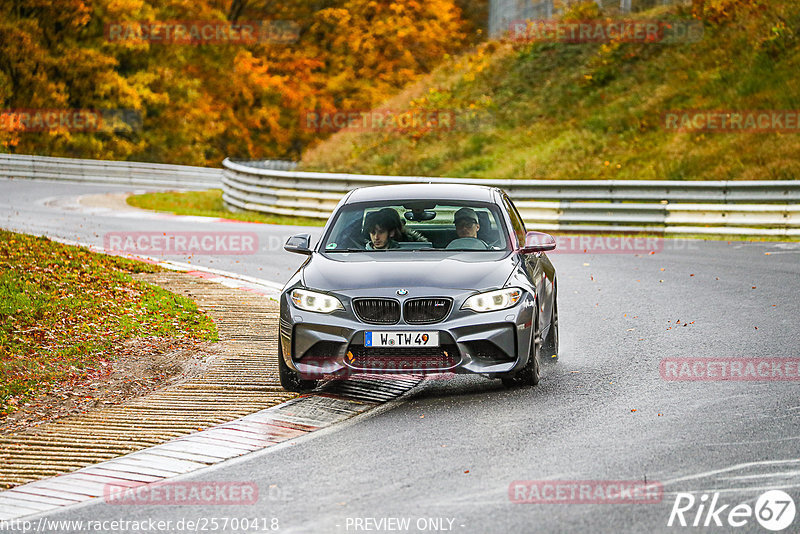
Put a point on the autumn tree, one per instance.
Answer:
(199, 103)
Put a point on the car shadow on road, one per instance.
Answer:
(464, 385)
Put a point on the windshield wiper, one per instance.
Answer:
(462, 249)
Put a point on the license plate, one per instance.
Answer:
(401, 339)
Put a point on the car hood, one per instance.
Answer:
(476, 271)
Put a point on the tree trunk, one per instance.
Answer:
(237, 7)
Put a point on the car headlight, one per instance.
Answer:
(499, 299)
(315, 302)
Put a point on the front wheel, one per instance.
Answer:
(550, 345)
(528, 375)
(290, 379)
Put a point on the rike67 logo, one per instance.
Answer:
(774, 510)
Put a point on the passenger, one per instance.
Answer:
(398, 225)
(382, 231)
(467, 226)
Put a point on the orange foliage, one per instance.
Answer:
(201, 103)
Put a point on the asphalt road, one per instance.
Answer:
(51, 208)
(445, 457)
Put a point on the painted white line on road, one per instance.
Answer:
(747, 489)
(763, 475)
(73, 204)
(226, 278)
(229, 279)
(137, 469)
(286, 424)
(341, 415)
(751, 442)
(729, 469)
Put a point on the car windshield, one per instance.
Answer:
(415, 226)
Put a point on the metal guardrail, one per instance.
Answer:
(765, 208)
(116, 172)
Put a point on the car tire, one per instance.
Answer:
(550, 345)
(290, 379)
(528, 375)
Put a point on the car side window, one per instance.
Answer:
(516, 221)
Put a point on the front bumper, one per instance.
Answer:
(316, 344)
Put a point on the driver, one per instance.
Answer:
(466, 221)
(467, 226)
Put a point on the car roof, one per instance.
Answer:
(479, 193)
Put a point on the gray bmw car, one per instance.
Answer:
(420, 278)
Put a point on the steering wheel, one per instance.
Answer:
(352, 242)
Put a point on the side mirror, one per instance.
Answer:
(299, 243)
(537, 242)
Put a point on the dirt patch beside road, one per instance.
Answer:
(241, 378)
(141, 366)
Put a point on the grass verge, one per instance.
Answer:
(64, 309)
(596, 111)
(209, 204)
